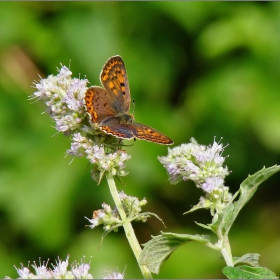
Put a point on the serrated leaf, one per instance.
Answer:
(247, 188)
(160, 247)
(248, 272)
(247, 259)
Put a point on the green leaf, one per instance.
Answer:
(204, 226)
(248, 272)
(247, 189)
(160, 247)
(251, 183)
(194, 208)
(248, 259)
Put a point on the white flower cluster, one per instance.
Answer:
(64, 97)
(201, 164)
(106, 216)
(60, 271)
(133, 206)
(110, 217)
(82, 146)
(113, 275)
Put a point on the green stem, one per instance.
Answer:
(223, 244)
(224, 248)
(130, 235)
(226, 251)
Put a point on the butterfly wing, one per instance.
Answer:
(148, 133)
(99, 104)
(114, 79)
(135, 130)
(122, 131)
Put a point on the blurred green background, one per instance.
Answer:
(195, 70)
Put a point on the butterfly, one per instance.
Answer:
(109, 107)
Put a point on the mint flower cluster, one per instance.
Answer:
(204, 166)
(60, 271)
(110, 218)
(133, 207)
(64, 97)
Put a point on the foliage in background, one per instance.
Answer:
(211, 69)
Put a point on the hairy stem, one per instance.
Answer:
(130, 235)
(226, 251)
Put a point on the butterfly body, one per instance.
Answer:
(109, 107)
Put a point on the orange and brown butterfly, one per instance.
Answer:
(109, 107)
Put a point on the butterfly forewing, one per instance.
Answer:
(114, 79)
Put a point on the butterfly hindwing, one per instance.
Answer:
(142, 131)
(122, 131)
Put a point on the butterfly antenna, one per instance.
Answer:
(87, 165)
(133, 103)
